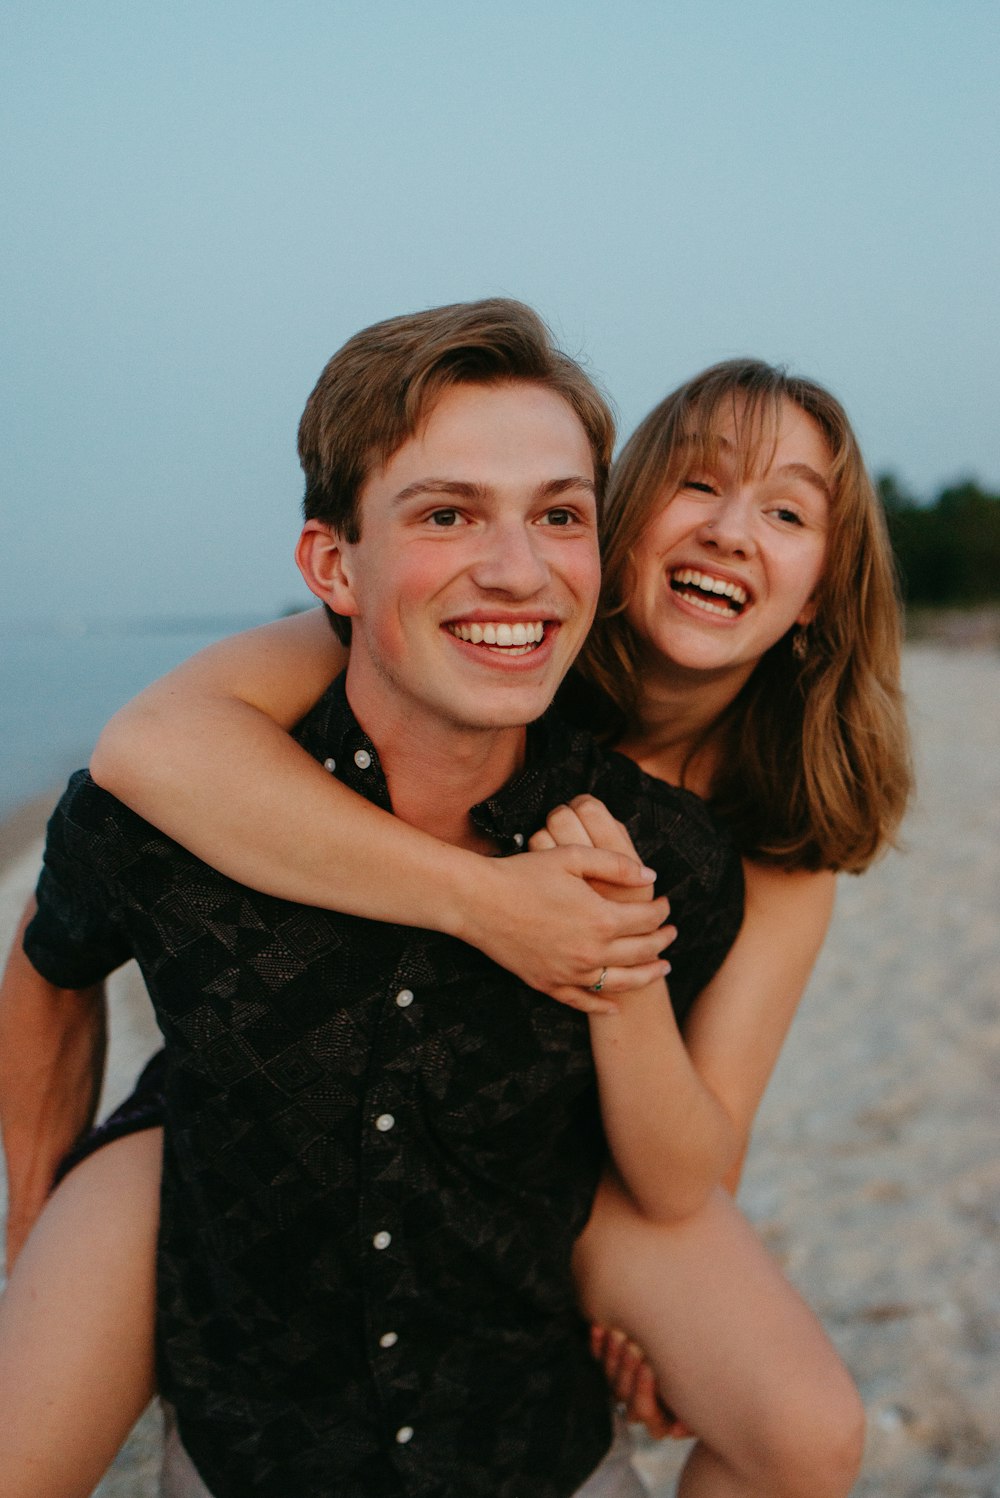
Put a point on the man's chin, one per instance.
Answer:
(512, 707)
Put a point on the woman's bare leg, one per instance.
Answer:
(76, 1324)
(738, 1355)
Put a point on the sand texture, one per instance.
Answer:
(874, 1175)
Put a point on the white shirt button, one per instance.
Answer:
(330, 764)
(404, 998)
(384, 1122)
(382, 1239)
(519, 839)
(404, 1434)
(362, 759)
(388, 1339)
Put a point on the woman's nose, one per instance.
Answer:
(729, 526)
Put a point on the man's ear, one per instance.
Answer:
(324, 559)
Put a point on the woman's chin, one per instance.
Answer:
(700, 651)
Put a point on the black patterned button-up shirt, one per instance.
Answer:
(380, 1146)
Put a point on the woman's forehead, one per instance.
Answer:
(745, 432)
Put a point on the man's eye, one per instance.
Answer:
(560, 516)
(444, 518)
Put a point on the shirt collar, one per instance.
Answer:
(332, 734)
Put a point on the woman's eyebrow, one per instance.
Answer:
(808, 475)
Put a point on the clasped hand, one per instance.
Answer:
(619, 939)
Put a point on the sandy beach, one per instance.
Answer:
(874, 1176)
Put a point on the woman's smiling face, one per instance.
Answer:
(733, 559)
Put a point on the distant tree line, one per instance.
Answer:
(949, 550)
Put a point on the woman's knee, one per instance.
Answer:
(812, 1447)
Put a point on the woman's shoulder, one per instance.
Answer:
(792, 893)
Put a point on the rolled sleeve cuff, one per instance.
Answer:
(70, 945)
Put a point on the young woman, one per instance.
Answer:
(748, 648)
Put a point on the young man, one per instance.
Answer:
(380, 1147)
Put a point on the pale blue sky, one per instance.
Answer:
(204, 198)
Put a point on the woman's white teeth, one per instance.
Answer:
(499, 634)
(690, 577)
(707, 606)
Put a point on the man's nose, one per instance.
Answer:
(729, 526)
(511, 561)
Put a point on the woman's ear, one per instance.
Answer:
(805, 616)
(324, 559)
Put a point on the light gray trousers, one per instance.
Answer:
(614, 1478)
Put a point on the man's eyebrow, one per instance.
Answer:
(457, 488)
(462, 489)
(563, 486)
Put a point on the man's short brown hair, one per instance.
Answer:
(378, 389)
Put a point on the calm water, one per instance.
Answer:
(57, 688)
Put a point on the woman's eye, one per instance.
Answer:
(700, 486)
(791, 517)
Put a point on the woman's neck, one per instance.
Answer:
(675, 738)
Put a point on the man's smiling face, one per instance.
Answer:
(476, 574)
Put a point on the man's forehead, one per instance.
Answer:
(485, 434)
(467, 400)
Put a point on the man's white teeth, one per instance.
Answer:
(499, 634)
(692, 578)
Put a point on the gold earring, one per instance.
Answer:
(800, 642)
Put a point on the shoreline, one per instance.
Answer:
(25, 826)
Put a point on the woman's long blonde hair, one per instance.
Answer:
(814, 768)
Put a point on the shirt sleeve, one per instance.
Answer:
(78, 935)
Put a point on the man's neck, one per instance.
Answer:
(436, 772)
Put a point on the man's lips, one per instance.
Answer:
(513, 637)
